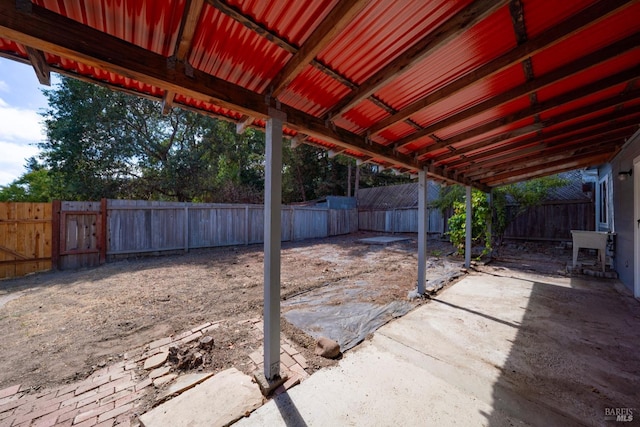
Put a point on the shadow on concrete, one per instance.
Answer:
(574, 359)
(290, 414)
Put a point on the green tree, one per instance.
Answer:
(102, 143)
(524, 195)
(35, 185)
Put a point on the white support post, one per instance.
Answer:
(422, 231)
(272, 237)
(468, 229)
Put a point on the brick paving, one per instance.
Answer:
(112, 396)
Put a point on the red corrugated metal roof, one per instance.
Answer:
(381, 32)
(233, 51)
(148, 24)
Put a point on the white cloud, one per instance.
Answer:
(4, 87)
(19, 130)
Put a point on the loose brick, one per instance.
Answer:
(37, 412)
(143, 384)
(158, 372)
(301, 360)
(7, 414)
(256, 357)
(292, 381)
(86, 415)
(160, 343)
(118, 384)
(72, 414)
(94, 398)
(156, 360)
(91, 385)
(115, 412)
(86, 423)
(131, 397)
(290, 350)
(198, 328)
(287, 360)
(6, 392)
(114, 397)
(163, 380)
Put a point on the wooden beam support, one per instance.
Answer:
(543, 151)
(534, 110)
(570, 115)
(551, 169)
(244, 123)
(543, 162)
(335, 21)
(40, 65)
(167, 102)
(459, 23)
(610, 121)
(586, 62)
(190, 18)
(587, 17)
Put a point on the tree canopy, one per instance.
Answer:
(103, 143)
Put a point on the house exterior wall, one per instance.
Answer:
(623, 201)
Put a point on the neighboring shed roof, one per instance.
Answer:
(482, 92)
(395, 196)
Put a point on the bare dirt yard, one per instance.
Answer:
(58, 327)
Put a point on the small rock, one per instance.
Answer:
(156, 360)
(414, 294)
(327, 348)
(206, 342)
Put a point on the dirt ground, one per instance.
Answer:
(58, 327)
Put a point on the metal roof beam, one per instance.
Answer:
(459, 23)
(335, 21)
(588, 61)
(581, 20)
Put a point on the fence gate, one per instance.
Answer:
(82, 231)
(25, 238)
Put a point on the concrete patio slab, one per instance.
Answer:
(382, 240)
(491, 350)
(218, 401)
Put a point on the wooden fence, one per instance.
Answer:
(141, 227)
(551, 221)
(399, 220)
(25, 238)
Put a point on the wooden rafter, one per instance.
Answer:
(588, 61)
(188, 25)
(547, 168)
(569, 115)
(335, 21)
(244, 123)
(581, 20)
(459, 23)
(40, 66)
(544, 151)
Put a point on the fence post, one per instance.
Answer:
(56, 205)
(102, 242)
(246, 225)
(292, 213)
(186, 226)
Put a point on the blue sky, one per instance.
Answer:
(21, 100)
